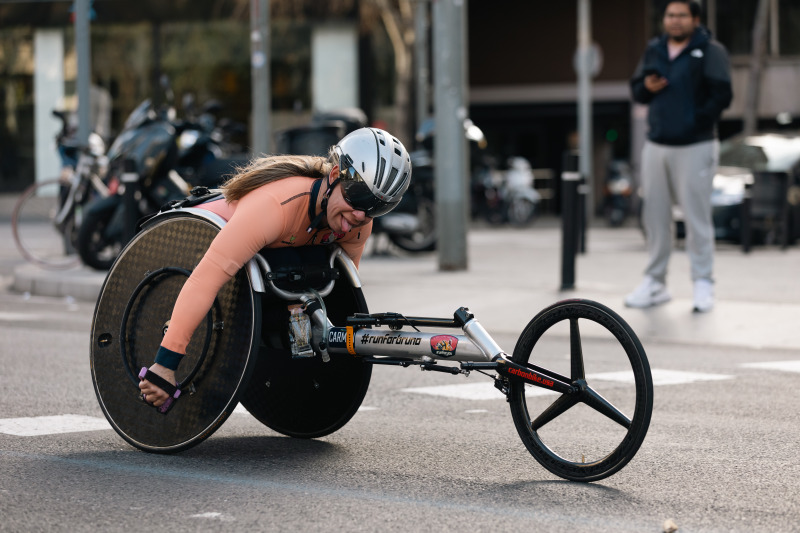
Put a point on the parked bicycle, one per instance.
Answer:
(48, 214)
(583, 417)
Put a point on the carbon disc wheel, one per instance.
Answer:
(132, 313)
(593, 432)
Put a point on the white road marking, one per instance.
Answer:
(661, 377)
(240, 410)
(785, 366)
(6, 316)
(51, 425)
(485, 390)
(214, 516)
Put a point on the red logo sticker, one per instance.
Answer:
(444, 345)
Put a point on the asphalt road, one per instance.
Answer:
(719, 455)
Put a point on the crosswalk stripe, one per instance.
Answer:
(661, 377)
(479, 390)
(785, 366)
(485, 390)
(51, 425)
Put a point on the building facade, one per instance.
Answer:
(522, 80)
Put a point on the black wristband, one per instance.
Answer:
(168, 358)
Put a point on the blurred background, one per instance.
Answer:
(325, 56)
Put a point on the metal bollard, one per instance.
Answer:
(746, 216)
(583, 194)
(130, 179)
(570, 213)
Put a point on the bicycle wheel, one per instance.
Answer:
(36, 234)
(592, 433)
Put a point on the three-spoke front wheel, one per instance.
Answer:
(593, 432)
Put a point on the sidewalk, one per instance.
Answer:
(513, 274)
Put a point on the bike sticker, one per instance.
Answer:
(444, 345)
(337, 338)
(390, 338)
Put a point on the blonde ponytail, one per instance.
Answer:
(265, 170)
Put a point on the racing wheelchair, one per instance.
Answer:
(578, 424)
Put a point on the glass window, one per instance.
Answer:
(788, 22)
(735, 24)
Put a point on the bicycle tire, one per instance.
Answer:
(521, 212)
(36, 236)
(562, 434)
(100, 241)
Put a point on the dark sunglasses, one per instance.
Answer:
(358, 195)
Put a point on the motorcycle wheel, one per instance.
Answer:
(424, 239)
(520, 212)
(99, 243)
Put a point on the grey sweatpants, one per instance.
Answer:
(682, 175)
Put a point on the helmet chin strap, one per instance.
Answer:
(315, 221)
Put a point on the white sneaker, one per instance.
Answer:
(703, 296)
(650, 292)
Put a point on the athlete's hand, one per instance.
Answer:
(153, 394)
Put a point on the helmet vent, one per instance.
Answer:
(390, 182)
(399, 184)
(380, 174)
(380, 140)
(397, 151)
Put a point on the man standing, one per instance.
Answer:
(684, 76)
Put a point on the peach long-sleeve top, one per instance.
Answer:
(274, 215)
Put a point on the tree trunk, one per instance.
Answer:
(399, 27)
(756, 65)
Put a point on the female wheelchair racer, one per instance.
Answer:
(276, 202)
(228, 341)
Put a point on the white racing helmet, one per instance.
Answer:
(374, 169)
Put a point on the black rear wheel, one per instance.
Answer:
(592, 433)
(100, 236)
(423, 237)
(306, 398)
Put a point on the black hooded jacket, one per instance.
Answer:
(687, 109)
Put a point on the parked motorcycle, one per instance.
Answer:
(506, 196)
(157, 149)
(618, 193)
(411, 226)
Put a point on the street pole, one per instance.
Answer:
(450, 150)
(82, 49)
(585, 103)
(260, 74)
(421, 26)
